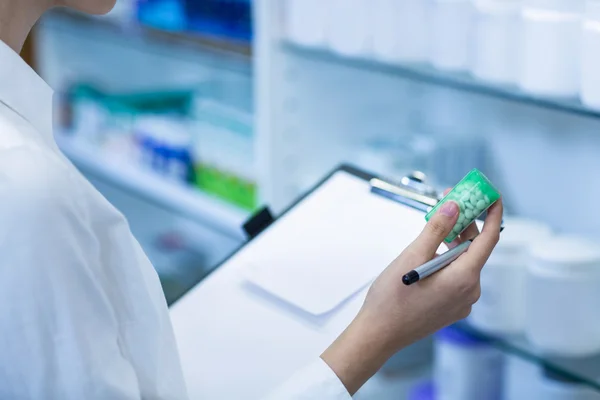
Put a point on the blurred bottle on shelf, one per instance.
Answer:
(307, 21)
(550, 47)
(466, 367)
(183, 135)
(525, 380)
(400, 30)
(495, 40)
(165, 146)
(423, 391)
(224, 153)
(451, 33)
(501, 308)
(348, 30)
(590, 62)
(563, 294)
(168, 15)
(222, 18)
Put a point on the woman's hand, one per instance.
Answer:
(395, 316)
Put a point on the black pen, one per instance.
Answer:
(438, 263)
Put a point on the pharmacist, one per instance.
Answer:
(82, 314)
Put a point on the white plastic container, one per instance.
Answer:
(550, 47)
(451, 22)
(306, 22)
(563, 297)
(400, 30)
(525, 380)
(501, 308)
(495, 40)
(590, 53)
(348, 27)
(466, 368)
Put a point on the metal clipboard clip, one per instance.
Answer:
(412, 190)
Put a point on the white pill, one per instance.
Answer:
(473, 199)
(468, 205)
(481, 204)
(487, 199)
(461, 218)
(457, 228)
(469, 214)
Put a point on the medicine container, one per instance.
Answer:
(550, 47)
(451, 23)
(400, 30)
(501, 307)
(563, 299)
(590, 55)
(165, 146)
(474, 194)
(423, 391)
(495, 40)
(466, 367)
(348, 29)
(307, 21)
(223, 153)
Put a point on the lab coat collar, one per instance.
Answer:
(24, 91)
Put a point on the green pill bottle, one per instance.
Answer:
(474, 194)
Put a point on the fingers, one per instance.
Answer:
(482, 246)
(436, 230)
(471, 232)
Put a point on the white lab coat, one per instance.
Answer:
(82, 314)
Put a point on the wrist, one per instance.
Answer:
(359, 352)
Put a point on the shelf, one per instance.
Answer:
(182, 200)
(456, 80)
(198, 41)
(585, 371)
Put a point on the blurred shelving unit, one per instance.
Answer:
(121, 55)
(192, 40)
(179, 199)
(455, 80)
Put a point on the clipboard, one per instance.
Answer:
(334, 240)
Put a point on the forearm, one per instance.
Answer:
(358, 353)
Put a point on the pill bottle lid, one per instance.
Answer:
(424, 391)
(459, 337)
(566, 6)
(567, 252)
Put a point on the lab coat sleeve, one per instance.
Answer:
(317, 381)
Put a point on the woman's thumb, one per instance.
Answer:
(436, 230)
